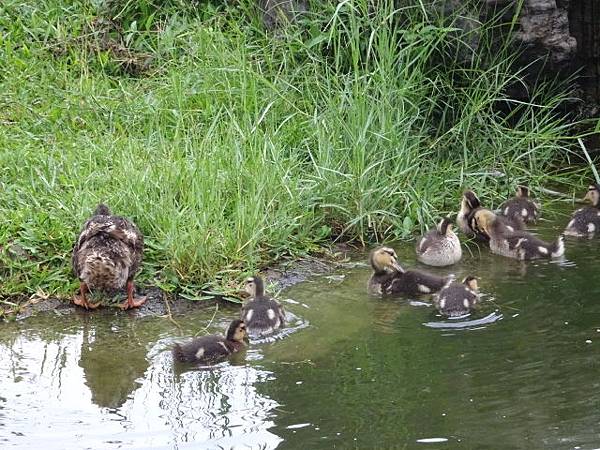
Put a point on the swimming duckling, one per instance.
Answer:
(521, 207)
(440, 246)
(457, 299)
(106, 257)
(262, 314)
(469, 206)
(585, 222)
(212, 348)
(390, 278)
(515, 244)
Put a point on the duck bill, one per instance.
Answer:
(397, 267)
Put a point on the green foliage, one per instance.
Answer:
(231, 148)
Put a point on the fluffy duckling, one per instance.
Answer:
(515, 244)
(457, 299)
(106, 257)
(470, 205)
(390, 278)
(440, 246)
(212, 348)
(262, 314)
(521, 207)
(585, 222)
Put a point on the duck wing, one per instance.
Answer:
(100, 230)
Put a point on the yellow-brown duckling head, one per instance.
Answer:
(384, 259)
(237, 331)
(593, 194)
(471, 283)
(483, 220)
(254, 286)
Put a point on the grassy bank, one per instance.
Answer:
(231, 148)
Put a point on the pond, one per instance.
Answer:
(353, 372)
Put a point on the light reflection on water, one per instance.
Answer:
(86, 389)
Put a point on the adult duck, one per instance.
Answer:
(106, 257)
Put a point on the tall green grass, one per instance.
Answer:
(234, 147)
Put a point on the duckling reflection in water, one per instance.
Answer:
(521, 207)
(389, 277)
(457, 299)
(440, 246)
(515, 244)
(212, 348)
(585, 222)
(262, 314)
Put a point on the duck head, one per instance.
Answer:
(384, 259)
(482, 221)
(237, 331)
(472, 200)
(471, 283)
(445, 226)
(593, 194)
(469, 202)
(254, 286)
(522, 191)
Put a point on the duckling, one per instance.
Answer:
(440, 246)
(457, 299)
(106, 257)
(515, 244)
(390, 278)
(212, 348)
(521, 207)
(262, 314)
(469, 206)
(585, 222)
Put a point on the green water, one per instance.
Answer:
(357, 372)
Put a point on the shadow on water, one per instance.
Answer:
(350, 371)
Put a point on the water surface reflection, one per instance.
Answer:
(92, 386)
(351, 372)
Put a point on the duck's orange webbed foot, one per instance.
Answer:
(132, 302)
(81, 300)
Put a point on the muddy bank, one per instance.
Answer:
(283, 274)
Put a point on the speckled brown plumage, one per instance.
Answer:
(440, 246)
(107, 255)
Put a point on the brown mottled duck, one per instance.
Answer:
(106, 257)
